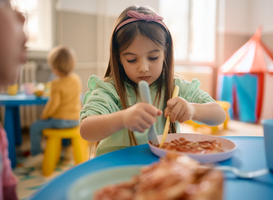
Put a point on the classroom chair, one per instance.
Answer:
(225, 105)
(53, 148)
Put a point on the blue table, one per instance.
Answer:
(12, 118)
(249, 155)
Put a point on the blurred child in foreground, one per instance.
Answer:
(12, 56)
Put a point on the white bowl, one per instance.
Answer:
(227, 145)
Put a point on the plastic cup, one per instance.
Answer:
(12, 89)
(268, 141)
(29, 88)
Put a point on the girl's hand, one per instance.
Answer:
(140, 117)
(179, 110)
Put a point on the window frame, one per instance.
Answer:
(48, 16)
(187, 61)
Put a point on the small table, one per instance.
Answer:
(249, 155)
(12, 123)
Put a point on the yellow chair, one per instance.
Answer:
(202, 126)
(53, 148)
(225, 105)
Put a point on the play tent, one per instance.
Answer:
(246, 81)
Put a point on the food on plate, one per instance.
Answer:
(174, 177)
(198, 147)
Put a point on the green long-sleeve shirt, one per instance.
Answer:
(103, 99)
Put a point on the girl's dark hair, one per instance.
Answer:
(122, 40)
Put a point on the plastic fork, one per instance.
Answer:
(146, 98)
(240, 173)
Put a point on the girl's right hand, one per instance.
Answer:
(140, 117)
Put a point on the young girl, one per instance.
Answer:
(12, 56)
(63, 107)
(141, 49)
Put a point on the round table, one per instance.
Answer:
(249, 155)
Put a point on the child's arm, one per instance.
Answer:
(138, 117)
(180, 110)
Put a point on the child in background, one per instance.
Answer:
(63, 107)
(12, 56)
(141, 49)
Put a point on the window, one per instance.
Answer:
(192, 24)
(38, 26)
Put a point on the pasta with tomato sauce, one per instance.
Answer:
(198, 147)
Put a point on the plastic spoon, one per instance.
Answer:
(146, 98)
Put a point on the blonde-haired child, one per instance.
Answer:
(63, 107)
(141, 48)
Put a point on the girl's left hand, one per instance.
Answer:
(179, 110)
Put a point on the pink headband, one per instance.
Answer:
(136, 16)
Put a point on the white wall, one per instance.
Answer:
(236, 17)
(116, 7)
(244, 16)
(262, 14)
(82, 6)
(110, 7)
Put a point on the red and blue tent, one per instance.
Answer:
(245, 80)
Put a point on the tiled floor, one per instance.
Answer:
(31, 179)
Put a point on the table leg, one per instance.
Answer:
(17, 123)
(9, 127)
